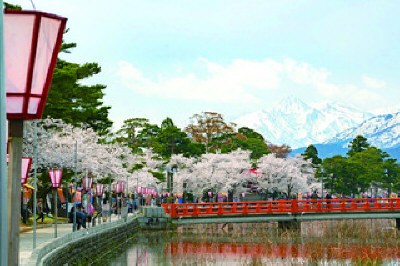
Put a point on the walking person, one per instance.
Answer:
(328, 198)
(39, 208)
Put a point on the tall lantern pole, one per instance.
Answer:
(75, 184)
(35, 159)
(55, 177)
(109, 199)
(87, 186)
(31, 43)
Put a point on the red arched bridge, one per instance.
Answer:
(285, 210)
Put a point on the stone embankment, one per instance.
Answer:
(84, 246)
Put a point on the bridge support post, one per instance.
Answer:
(398, 223)
(293, 224)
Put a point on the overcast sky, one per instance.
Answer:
(177, 58)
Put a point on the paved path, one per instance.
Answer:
(44, 234)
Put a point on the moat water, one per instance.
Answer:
(361, 242)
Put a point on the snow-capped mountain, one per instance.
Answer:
(298, 124)
(387, 110)
(382, 131)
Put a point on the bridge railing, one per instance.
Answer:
(282, 206)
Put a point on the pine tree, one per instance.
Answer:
(358, 144)
(312, 153)
(73, 102)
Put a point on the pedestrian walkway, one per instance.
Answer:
(44, 235)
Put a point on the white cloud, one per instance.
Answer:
(232, 83)
(242, 81)
(303, 73)
(373, 83)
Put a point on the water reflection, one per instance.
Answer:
(374, 242)
(304, 251)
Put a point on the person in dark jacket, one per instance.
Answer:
(80, 218)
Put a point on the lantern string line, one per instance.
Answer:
(33, 5)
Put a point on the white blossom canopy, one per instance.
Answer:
(219, 172)
(61, 145)
(78, 148)
(292, 174)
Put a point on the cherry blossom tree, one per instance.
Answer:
(287, 175)
(61, 145)
(142, 176)
(217, 172)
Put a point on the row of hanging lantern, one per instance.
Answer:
(98, 188)
(119, 186)
(146, 191)
(87, 185)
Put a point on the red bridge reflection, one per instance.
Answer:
(301, 250)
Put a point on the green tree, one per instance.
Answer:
(166, 123)
(245, 139)
(357, 173)
(337, 177)
(358, 144)
(366, 167)
(250, 133)
(391, 177)
(312, 153)
(171, 140)
(257, 147)
(11, 6)
(248, 139)
(74, 102)
(148, 135)
(194, 149)
(252, 141)
(131, 133)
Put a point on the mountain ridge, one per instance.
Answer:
(299, 124)
(381, 131)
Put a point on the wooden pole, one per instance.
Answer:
(15, 132)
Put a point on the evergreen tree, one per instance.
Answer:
(250, 133)
(366, 167)
(136, 133)
(170, 140)
(337, 175)
(11, 6)
(358, 144)
(250, 140)
(312, 153)
(391, 177)
(73, 102)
